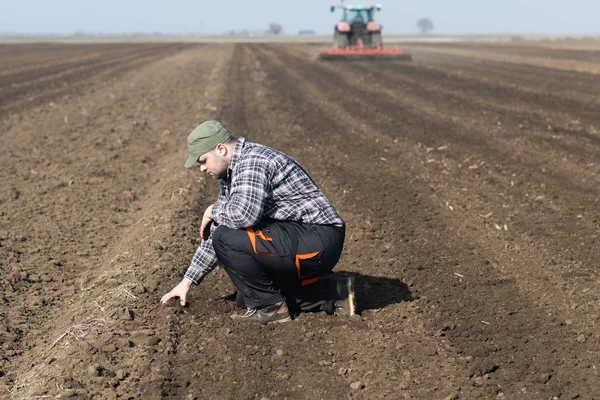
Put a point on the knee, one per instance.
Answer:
(225, 240)
(219, 237)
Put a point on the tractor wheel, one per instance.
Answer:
(376, 41)
(340, 40)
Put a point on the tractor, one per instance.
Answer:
(357, 28)
(358, 36)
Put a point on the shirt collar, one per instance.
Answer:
(237, 152)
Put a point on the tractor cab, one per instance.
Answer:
(357, 13)
(357, 27)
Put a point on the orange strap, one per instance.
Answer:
(252, 237)
(263, 237)
(305, 257)
(311, 280)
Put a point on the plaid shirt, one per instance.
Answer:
(262, 183)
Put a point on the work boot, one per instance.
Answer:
(341, 299)
(278, 312)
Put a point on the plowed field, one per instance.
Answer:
(469, 181)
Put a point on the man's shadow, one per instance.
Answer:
(370, 292)
(375, 292)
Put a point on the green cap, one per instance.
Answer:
(204, 139)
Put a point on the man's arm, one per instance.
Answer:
(250, 189)
(203, 261)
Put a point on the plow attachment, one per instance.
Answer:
(350, 54)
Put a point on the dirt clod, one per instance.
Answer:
(94, 370)
(358, 385)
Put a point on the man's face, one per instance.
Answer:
(214, 163)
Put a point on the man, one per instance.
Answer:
(271, 229)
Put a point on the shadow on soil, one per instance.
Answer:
(374, 292)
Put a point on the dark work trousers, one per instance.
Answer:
(277, 260)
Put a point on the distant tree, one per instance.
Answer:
(275, 29)
(425, 25)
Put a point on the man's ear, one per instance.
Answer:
(222, 149)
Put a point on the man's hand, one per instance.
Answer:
(206, 223)
(180, 291)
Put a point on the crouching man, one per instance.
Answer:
(272, 230)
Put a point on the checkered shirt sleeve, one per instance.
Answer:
(205, 259)
(250, 189)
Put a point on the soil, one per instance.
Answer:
(468, 179)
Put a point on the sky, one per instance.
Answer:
(450, 17)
